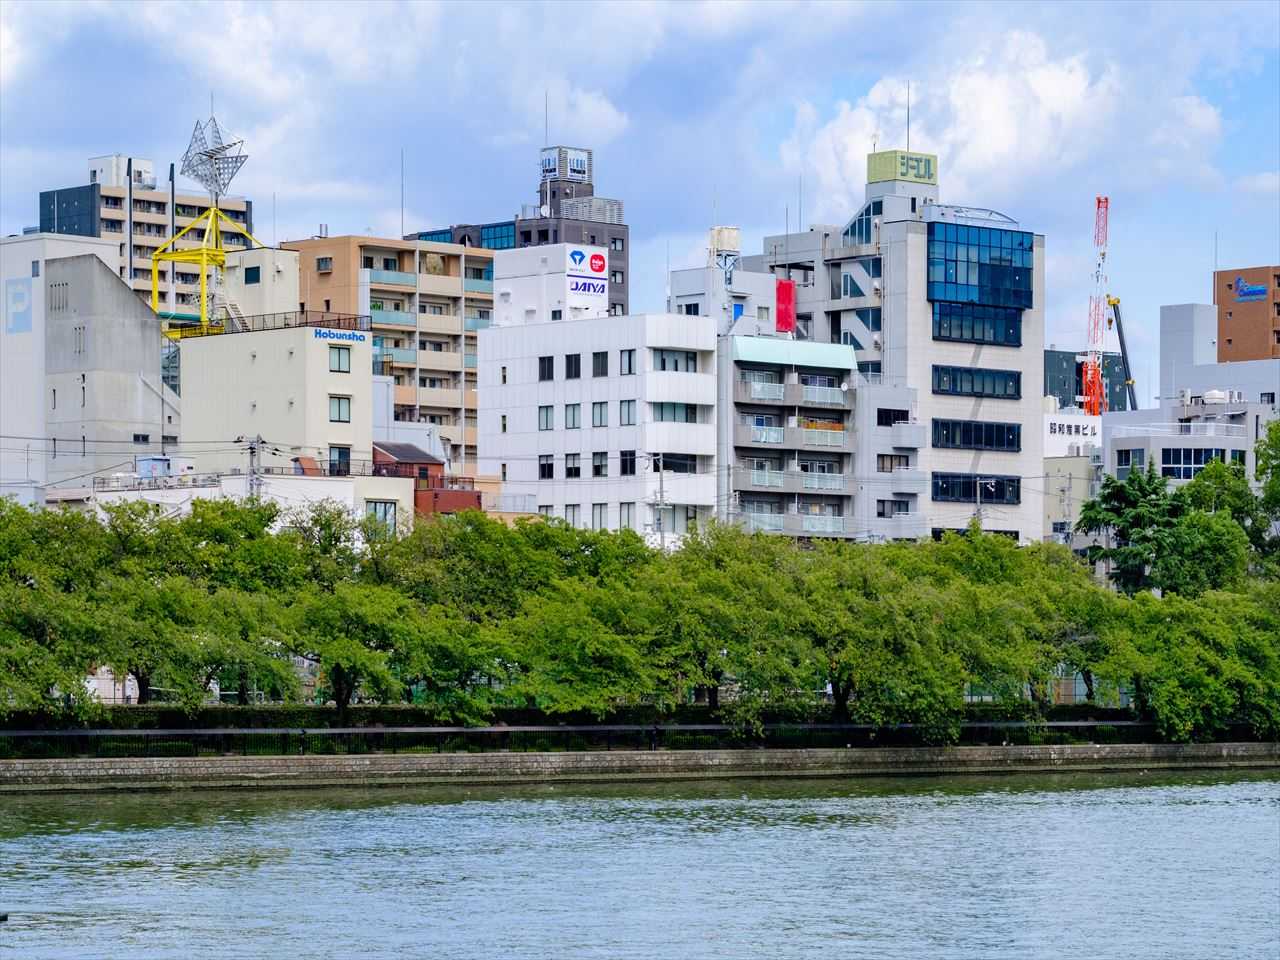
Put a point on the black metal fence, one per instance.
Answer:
(32, 744)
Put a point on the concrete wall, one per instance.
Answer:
(277, 288)
(19, 776)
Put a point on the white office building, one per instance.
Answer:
(605, 421)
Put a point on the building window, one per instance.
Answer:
(572, 416)
(600, 363)
(599, 516)
(627, 461)
(966, 488)
(502, 472)
(689, 309)
(977, 382)
(869, 317)
(504, 374)
(252, 275)
(384, 511)
(1269, 397)
(600, 464)
(53, 400)
(546, 510)
(572, 466)
(571, 514)
(675, 462)
(339, 409)
(889, 462)
(502, 421)
(627, 362)
(1183, 463)
(615, 276)
(600, 414)
(572, 366)
(616, 244)
(891, 508)
(324, 264)
(557, 314)
(546, 419)
(886, 417)
(977, 323)
(675, 361)
(675, 412)
(615, 309)
(390, 263)
(142, 438)
(626, 516)
(35, 269)
(627, 413)
(546, 467)
(546, 368)
(339, 461)
(339, 359)
(980, 265)
(977, 435)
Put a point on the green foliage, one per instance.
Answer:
(466, 619)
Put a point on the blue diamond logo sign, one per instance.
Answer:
(577, 256)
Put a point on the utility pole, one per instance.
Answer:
(662, 502)
(255, 478)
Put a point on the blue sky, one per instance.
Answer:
(696, 112)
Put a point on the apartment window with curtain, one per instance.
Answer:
(600, 464)
(572, 366)
(627, 413)
(627, 362)
(383, 511)
(600, 363)
(600, 414)
(339, 409)
(546, 467)
(572, 416)
(546, 419)
(626, 516)
(572, 466)
(339, 359)
(571, 514)
(599, 516)
(546, 368)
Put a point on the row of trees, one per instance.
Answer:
(465, 616)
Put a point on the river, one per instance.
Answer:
(1097, 866)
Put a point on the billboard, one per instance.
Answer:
(1062, 431)
(901, 165)
(577, 164)
(785, 299)
(586, 271)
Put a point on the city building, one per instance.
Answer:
(567, 211)
(805, 444)
(946, 301)
(1248, 313)
(607, 422)
(1063, 378)
(426, 300)
(122, 202)
(434, 491)
(81, 392)
(1207, 409)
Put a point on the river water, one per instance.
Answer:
(1018, 867)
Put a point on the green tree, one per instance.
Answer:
(1203, 551)
(1224, 487)
(1136, 516)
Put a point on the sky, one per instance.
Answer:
(741, 113)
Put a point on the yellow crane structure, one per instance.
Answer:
(211, 161)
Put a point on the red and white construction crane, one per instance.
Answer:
(1094, 398)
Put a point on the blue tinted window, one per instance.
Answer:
(964, 488)
(977, 382)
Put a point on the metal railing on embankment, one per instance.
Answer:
(33, 744)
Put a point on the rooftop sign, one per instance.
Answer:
(901, 165)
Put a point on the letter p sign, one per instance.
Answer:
(17, 305)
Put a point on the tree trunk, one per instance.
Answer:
(713, 697)
(1087, 676)
(840, 704)
(242, 690)
(144, 686)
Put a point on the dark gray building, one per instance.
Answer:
(567, 211)
(1062, 378)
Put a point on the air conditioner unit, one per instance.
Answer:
(875, 288)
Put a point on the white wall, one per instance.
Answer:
(530, 282)
(277, 288)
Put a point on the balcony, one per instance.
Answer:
(763, 392)
(909, 480)
(439, 323)
(471, 400)
(820, 523)
(764, 522)
(439, 284)
(397, 278)
(446, 397)
(908, 436)
(822, 396)
(750, 435)
(833, 482)
(901, 526)
(762, 479)
(393, 318)
(440, 360)
(399, 356)
(475, 323)
(469, 360)
(406, 395)
(819, 437)
(471, 285)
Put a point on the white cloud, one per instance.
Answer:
(1266, 183)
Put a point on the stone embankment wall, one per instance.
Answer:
(162, 773)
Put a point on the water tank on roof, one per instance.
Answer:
(1215, 396)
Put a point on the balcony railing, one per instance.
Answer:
(766, 434)
(1208, 429)
(823, 438)
(395, 318)
(475, 323)
(766, 391)
(767, 522)
(472, 285)
(407, 356)
(469, 360)
(398, 277)
(827, 395)
(819, 523)
(823, 481)
(767, 478)
(282, 321)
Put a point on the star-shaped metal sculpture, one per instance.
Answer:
(211, 161)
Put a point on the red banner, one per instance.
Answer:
(785, 298)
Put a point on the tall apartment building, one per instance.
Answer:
(1063, 378)
(1248, 302)
(805, 445)
(946, 301)
(426, 301)
(567, 211)
(123, 202)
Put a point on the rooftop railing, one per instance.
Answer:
(1207, 429)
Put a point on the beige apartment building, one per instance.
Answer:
(426, 300)
(123, 201)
